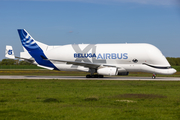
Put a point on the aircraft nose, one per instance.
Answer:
(173, 70)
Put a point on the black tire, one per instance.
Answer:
(100, 76)
(96, 76)
(153, 77)
(88, 76)
(92, 76)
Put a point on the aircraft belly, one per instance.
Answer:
(147, 69)
(132, 67)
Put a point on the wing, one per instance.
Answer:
(85, 64)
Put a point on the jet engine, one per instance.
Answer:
(123, 73)
(108, 71)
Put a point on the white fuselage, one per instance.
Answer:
(126, 57)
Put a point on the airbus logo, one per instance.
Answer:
(9, 52)
(112, 56)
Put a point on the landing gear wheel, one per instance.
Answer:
(94, 76)
(100, 76)
(88, 76)
(154, 76)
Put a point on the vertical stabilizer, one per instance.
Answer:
(28, 42)
(35, 49)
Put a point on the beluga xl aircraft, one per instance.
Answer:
(97, 59)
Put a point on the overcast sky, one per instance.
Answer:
(60, 22)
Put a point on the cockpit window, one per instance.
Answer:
(135, 60)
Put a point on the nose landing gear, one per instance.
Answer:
(154, 76)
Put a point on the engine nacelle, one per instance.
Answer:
(123, 73)
(108, 71)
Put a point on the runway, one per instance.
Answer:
(84, 78)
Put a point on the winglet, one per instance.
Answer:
(9, 53)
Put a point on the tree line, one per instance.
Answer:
(171, 60)
(13, 62)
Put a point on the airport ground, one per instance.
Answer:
(34, 70)
(87, 99)
(43, 72)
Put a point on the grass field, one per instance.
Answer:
(19, 67)
(89, 100)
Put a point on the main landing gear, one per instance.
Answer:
(94, 76)
(154, 76)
